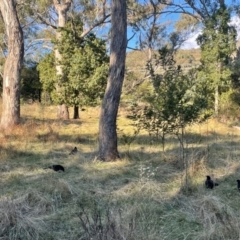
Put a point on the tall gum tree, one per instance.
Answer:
(62, 9)
(217, 43)
(12, 68)
(107, 125)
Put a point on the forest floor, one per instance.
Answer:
(145, 195)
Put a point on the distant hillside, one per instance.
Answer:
(188, 58)
(136, 60)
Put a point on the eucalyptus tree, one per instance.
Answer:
(14, 30)
(12, 66)
(217, 42)
(108, 147)
(3, 46)
(198, 9)
(62, 8)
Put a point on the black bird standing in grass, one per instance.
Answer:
(74, 151)
(209, 183)
(56, 167)
(238, 182)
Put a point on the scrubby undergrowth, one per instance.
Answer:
(147, 194)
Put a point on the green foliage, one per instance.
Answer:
(230, 100)
(186, 23)
(217, 42)
(84, 64)
(30, 84)
(229, 104)
(47, 73)
(88, 72)
(235, 67)
(177, 100)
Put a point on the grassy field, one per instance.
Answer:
(142, 196)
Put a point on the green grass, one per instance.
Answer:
(142, 196)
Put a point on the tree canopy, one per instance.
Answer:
(217, 43)
(85, 67)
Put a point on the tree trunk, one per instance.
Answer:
(12, 67)
(216, 104)
(39, 95)
(63, 112)
(62, 9)
(107, 125)
(75, 112)
(216, 95)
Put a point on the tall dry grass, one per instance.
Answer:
(147, 194)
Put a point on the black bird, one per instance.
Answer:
(209, 183)
(238, 182)
(74, 151)
(56, 167)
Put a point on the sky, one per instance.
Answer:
(191, 41)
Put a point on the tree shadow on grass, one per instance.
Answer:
(123, 186)
(151, 199)
(85, 139)
(38, 121)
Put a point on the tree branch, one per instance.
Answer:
(43, 20)
(98, 23)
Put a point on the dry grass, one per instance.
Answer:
(22, 216)
(144, 195)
